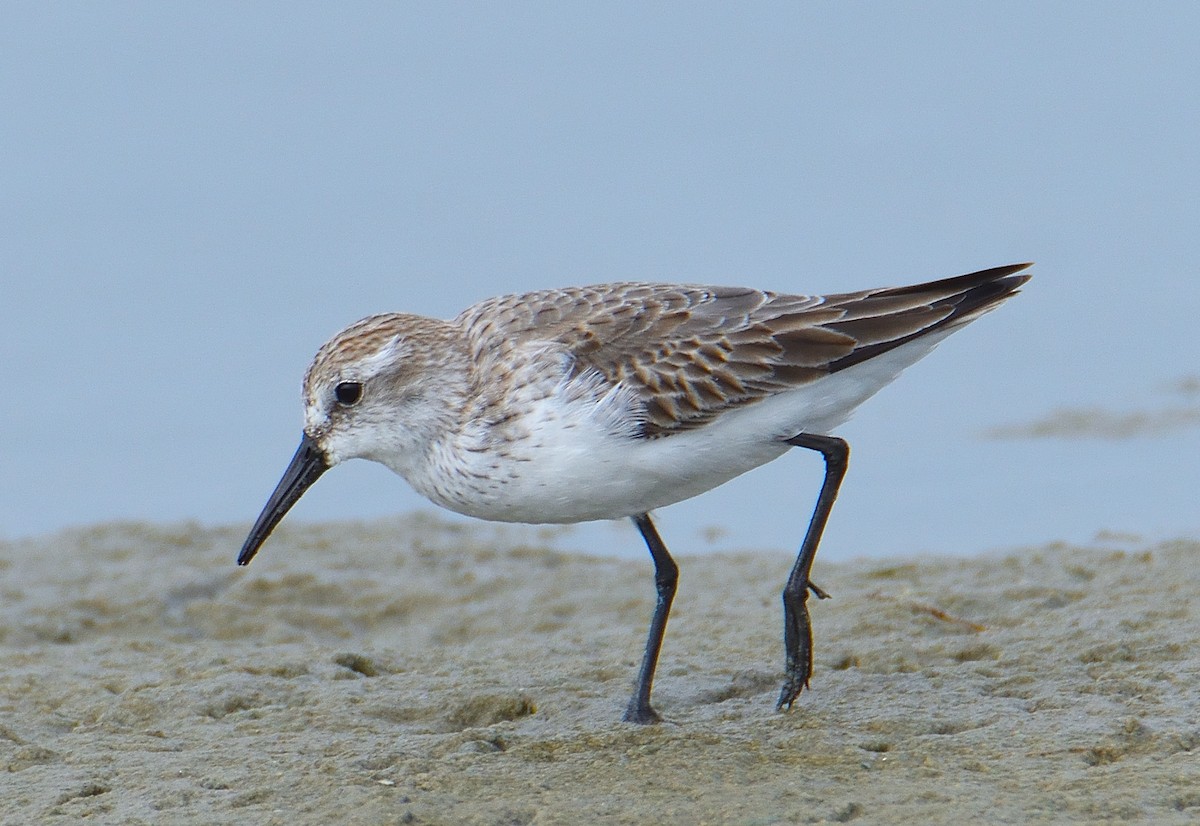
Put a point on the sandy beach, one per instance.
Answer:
(413, 671)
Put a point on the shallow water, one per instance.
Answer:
(419, 671)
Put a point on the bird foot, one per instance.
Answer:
(641, 713)
(792, 686)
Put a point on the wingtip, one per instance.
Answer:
(1007, 271)
(1016, 275)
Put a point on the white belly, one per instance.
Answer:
(574, 468)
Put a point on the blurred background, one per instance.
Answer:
(195, 196)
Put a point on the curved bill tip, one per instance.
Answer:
(306, 467)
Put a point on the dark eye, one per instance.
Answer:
(348, 392)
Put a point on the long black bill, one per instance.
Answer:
(307, 466)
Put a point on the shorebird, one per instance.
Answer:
(609, 401)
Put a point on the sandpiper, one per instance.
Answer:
(609, 401)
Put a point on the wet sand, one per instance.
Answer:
(1098, 423)
(416, 672)
(1166, 411)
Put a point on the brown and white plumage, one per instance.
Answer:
(609, 401)
(693, 352)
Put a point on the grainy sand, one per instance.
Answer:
(414, 672)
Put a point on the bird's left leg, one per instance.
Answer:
(797, 628)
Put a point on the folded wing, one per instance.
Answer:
(692, 352)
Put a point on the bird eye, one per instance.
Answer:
(348, 392)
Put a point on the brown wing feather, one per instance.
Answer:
(692, 352)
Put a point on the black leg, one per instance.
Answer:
(797, 629)
(666, 574)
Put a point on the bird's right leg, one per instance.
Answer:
(666, 574)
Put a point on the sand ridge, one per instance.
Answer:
(419, 671)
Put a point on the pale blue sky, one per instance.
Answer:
(195, 196)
